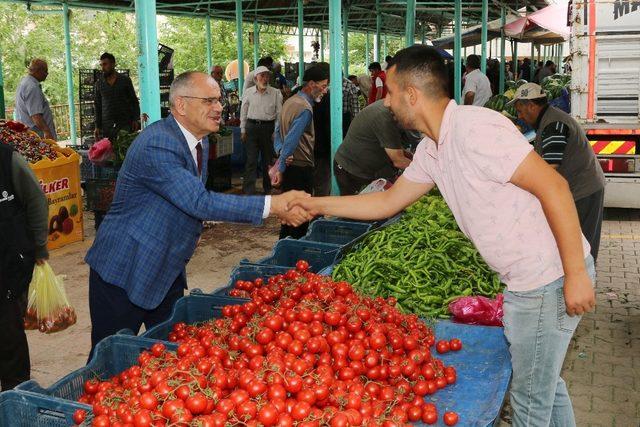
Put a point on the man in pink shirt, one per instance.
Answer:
(516, 209)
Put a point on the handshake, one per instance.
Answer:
(294, 208)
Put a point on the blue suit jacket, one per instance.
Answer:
(155, 219)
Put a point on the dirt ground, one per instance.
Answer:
(220, 250)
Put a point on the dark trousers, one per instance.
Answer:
(348, 183)
(258, 142)
(296, 178)
(15, 366)
(346, 122)
(111, 310)
(322, 176)
(590, 212)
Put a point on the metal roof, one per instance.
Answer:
(276, 15)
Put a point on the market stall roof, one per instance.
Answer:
(278, 14)
(472, 36)
(547, 25)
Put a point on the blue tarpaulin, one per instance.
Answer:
(483, 368)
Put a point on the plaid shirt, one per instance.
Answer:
(350, 101)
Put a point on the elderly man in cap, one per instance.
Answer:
(564, 145)
(261, 106)
(295, 135)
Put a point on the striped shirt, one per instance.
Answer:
(554, 142)
(350, 102)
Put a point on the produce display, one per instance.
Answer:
(304, 351)
(122, 143)
(25, 142)
(423, 260)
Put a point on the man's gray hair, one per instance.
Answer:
(180, 85)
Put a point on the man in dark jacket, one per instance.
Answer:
(23, 227)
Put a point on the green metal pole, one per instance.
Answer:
(483, 37)
(256, 43)
(2, 107)
(209, 50)
(561, 59)
(410, 24)
(532, 66)
(378, 32)
(366, 49)
(345, 43)
(457, 47)
(239, 47)
(322, 45)
(503, 56)
(300, 41)
(69, 72)
(148, 59)
(515, 59)
(335, 59)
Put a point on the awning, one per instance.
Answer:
(472, 36)
(547, 25)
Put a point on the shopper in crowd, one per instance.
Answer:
(372, 149)
(116, 104)
(378, 87)
(525, 70)
(364, 83)
(477, 88)
(549, 69)
(261, 106)
(138, 259)
(31, 106)
(350, 104)
(295, 137)
(385, 64)
(249, 80)
(24, 214)
(280, 81)
(562, 143)
(322, 145)
(508, 71)
(217, 72)
(515, 208)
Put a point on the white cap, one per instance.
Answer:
(261, 69)
(528, 91)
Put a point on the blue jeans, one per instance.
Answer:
(539, 330)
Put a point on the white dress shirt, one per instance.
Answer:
(479, 84)
(263, 106)
(192, 142)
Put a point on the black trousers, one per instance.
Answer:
(322, 176)
(590, 212)
(258, 142)
(111, 310)
(15, 366)
(348, 183)
(296, 178)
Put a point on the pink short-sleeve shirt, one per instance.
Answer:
(478, 152)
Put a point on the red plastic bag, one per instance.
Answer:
(101, 152)
(477, 310)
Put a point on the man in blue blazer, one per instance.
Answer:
(141, 249)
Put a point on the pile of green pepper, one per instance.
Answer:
(423, 260)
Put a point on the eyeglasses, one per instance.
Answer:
(205, 101)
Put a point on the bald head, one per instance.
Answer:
(38, 68)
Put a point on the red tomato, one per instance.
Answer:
(197, 403)
(79, 416)
(455, 344)
(268, 415)
(443, 346)
(302, 266)
(429, 417)
(450, 418)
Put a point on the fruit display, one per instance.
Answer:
(305, 351)
(26, 142)
(423, 260)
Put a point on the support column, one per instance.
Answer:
(300, 41)
(239, 47)
(515, 59)
(345, 43)
(503, 56)
(532, 68)
(410, 24)
(322, 45)
(335, 55)
(256, 43)
(560, 67)
(208, 35)
(378, 32)
(366, 50)
(69, 73)
(483, 41)
(2, 107)
(457, 47)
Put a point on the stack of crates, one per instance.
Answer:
(165, 66)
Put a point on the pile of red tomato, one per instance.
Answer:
(304, 351)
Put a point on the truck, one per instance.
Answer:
(605, 90)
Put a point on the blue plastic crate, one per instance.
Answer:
(191, 309)
(24, 409)
(250, 272)
(335, 232)
(287, 252)
(113, 355)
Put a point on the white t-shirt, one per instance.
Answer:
(477, 83)
(379, 82)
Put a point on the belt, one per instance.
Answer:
(261, 122)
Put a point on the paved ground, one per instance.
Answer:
(602, 367)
